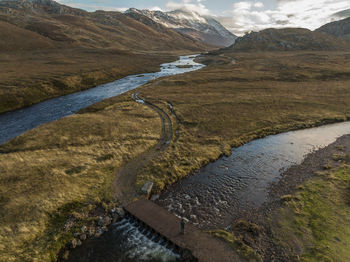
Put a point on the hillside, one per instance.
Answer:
(338, 28)
(48, 49)
(202, 28)
(70, 27)
(288, 39)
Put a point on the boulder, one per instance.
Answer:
(120, 211)
(147, 188)
(83, 237)
(154, 198)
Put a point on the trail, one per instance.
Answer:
(125, 179)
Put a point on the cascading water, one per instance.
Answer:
(127, 240)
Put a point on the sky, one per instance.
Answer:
(236, 15)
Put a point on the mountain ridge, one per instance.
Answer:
(66, 27)
(289, 39)
(340, 28)
(202, 28)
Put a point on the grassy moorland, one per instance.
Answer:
(68, 165)
(48, 49)
(29, 77)
(233, 101)
(64, 168)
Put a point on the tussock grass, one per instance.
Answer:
(227, 104)
(50, 172)
(244, 251)
(28, 77)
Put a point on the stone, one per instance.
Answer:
(83, 229)
(91, 231)
(115, 218)
(79, 243)
(98, 233)
(74, 243)
(155, 198)
(147, 188)
(83, 237)
(107, 221)
(100, 221)
(120, 211)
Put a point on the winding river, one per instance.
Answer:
(209, 198)
(218, 192)
(17, 122)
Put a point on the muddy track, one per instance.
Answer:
(125, 178)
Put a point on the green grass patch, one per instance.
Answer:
(318, 223)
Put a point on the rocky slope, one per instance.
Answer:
(339, 29)
(203, 28)
(28, 24)
(288, 39)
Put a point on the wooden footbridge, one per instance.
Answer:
(201, 245)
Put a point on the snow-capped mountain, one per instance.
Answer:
(203, 28)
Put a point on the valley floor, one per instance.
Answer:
(28, 77)
(63, 168)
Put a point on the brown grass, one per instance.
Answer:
(225, 105)
(51, 171)
(56, 168)
(29, 77)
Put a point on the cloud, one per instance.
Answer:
(155, 8)
(249, 15)
(192, 5)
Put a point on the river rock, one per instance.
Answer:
(115, 218)
(104, 221)
(98, 233)
(74, 243)
(120, 211)
(83, 237)
(84, 229)
(154, 198)
(91, 231)
(147, 188)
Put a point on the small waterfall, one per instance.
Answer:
(141, 243)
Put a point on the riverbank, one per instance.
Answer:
(226, 105)
(307, 215)
(65, 166)
(46, 74)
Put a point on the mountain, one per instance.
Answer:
(189, 23)
(288, 39)
(342, 14)
(28, 24)
(48, 49)
(339, 28)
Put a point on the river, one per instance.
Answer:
(19, 121)
(212, 197)
(209, 198)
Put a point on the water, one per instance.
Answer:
(213, 196)
(127, 241)
(17, 122)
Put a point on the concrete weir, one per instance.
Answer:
(194, 245)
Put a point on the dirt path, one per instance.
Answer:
(124, 183)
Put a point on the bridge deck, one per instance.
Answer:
(202, 245)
